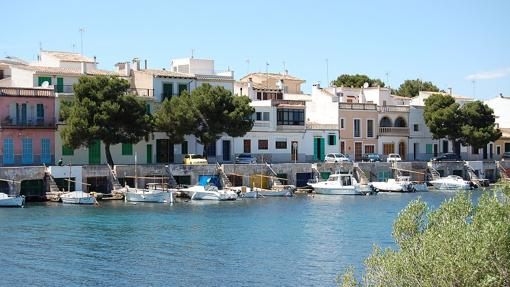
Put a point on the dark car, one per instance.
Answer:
(245, 158)
(506, 156)
(371, 157)
(447, 157)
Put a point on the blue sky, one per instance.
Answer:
(446, 42)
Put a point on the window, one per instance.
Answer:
(182, 87)
(263, 144)
(388, 148)
(40, 112)
(67, 150)
(184, 147)
(370, 128)
(45, 151)
(507, 147)
(342, 125)
(331, 139)
(369, 149)
(474, 150)
(342, 147)
(127, 149)
(357, 128)
(416, 127)
(259, 96)
(281, 144)
(247, 146)
(265, 116)
(211, 149)
(428, 148)
(41, 80)
(27, 156)
(168, 90)
(498, 150)
(258, 116)
(291, 117)
(8, 151)
(148, 109)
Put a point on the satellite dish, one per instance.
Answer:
(45, 84)
(365, 85)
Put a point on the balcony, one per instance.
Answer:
(357, 106)
(26, 92)
(261, 124)
(66, 89)
(142, 92)
(8, 123)
(393, 109)
(394, 131)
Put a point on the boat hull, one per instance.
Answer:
(392, 187)
(340, 190)
(279, 193)
(450, 186)
(156, 197)
(205, 195)
(18, 201)
(78, 197)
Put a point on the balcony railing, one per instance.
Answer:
(357, 106)
(26, 92)
(394, 131)
(142, 92)
(261, 124)
(68, 89)
(400, 109)
(8, 123)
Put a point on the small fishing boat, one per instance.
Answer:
(246, 192)
(277, 190)
(209, 192)
(451, 182)
(11, 201)
(154, 192)
(78, 197)
(400, 184)
(340, 184)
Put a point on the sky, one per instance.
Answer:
(463, 45)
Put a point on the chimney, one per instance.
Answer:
(95, 60)
(136, 64)
(450, 91)
(501, 95)
(286, 72)
(83, 68)
(145, 64)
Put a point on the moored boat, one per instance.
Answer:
(400, 184)
(78, 197)
(339, 184)
(451, 182)
(11, 201)
(153, 193)
(209, 192)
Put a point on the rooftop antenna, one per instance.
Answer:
(81, 39)
(284, 67)
(387, 78)
(267, 76)
(192, 53)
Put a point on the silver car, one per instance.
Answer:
(337, 157)
(245, 158)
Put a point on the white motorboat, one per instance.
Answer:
(153, 193)
(11, 201)
(451, 182)
(209, 192)
(246, 192)
(339, 184)
(420, 187)
(400, 184)
(77, 197)
(277, 190)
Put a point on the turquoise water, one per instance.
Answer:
(300, 241)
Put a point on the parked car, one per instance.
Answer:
(393, 157)
(371, 157)
(245, 158)
(447, 157)
(506, 156)
(337, 157)
(194, 159)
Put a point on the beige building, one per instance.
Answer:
(268, 86)
(358, 125)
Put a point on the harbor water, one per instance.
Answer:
(299, 241)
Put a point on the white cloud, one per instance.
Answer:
(488, 75)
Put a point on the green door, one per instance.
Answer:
(318, 148)
(149, 154)
(95, 152)
(60, 85)
(41, 80)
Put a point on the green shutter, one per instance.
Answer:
(148, 109)
(60, 85)
(127, 149)
(95, 152)
(323, 146)
(315, 144)
(41, 80)
(67, 150)
(182, 87)
(149, 154)
(428, 148)
(168, 90)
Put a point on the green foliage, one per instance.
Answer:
(472, 124)
(103, 109)
(411, 88)
(207, 113)
(218, 111)
(356, 81)
(458, 244)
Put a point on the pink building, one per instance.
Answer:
(27, 126)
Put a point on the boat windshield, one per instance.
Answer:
(346, 180)
(333, 178)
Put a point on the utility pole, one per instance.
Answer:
(474, 88)
(81, 39)
(267, 76)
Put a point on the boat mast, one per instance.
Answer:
(136, 173)
(69, 179)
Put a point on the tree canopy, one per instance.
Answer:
(411, 88)
(458, 244)
(208, 112)
(102, 109)
(356, 81)
(472, 124)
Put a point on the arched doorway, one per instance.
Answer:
(402, 150)
(400, 122)
(385, 122)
